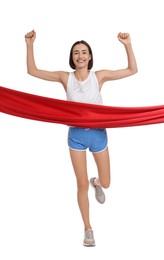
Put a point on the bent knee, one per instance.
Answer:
(105, 184)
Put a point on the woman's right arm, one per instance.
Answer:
(57, 76)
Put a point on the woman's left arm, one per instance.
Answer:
(106, 75)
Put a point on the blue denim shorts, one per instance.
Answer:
(80, 139)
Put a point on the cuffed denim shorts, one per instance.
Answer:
(94, 139)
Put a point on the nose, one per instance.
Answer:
(80, 54)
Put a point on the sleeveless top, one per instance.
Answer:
(86, 91)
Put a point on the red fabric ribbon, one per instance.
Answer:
(77, 114)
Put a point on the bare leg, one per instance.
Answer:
(103, 166)
(80, 167)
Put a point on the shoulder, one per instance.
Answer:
(100, 74)
(63, 75)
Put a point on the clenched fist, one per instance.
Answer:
(30, 37)
(124, 38)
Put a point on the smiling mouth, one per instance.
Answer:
(81, 61)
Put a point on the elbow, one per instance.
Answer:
(31, 72)
(134, 70)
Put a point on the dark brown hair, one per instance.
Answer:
(90, 63)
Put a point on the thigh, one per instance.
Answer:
(79, 163)
(103, 165)
(77, 139)
(98, 140)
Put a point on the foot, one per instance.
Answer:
(89, 238)
(99, 194)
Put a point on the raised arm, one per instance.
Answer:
(57, 76)
(106, 75)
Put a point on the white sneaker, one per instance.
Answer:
(99, 194)
(89, 238)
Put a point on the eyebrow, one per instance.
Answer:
(81, 50)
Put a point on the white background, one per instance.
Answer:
(39, 216)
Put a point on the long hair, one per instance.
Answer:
(90, 63)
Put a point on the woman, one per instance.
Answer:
(84, 85)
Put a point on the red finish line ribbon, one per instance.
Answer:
(76, 114)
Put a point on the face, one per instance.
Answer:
(81, 56)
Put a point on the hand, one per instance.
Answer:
(30, 37)
(124, 38)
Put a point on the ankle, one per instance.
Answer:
(96, 182)
(87, 228)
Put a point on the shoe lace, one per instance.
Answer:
(89, 234)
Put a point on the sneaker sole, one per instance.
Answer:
(87, 245)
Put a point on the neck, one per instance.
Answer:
(81, 74)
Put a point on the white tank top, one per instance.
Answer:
(86, 91)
